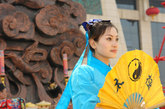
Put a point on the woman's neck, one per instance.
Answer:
(103, 59)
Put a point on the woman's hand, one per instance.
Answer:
(70, 106)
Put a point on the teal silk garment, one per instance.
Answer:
(84, 85)
(86, 82)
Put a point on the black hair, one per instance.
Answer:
(2, 87)
(98, 29)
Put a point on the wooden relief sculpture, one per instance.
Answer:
(34, 34)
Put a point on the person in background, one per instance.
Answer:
(3, 92)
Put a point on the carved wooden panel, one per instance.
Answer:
(34, 35)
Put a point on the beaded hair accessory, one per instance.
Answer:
(91, 22)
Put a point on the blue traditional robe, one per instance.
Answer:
(84, 85)
(86, 82)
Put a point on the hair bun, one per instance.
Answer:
(90, 23)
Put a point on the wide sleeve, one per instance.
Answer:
(84, 89)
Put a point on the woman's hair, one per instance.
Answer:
(97, 29)
(2, 87)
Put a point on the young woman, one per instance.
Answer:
(86, 80)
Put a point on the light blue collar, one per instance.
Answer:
(99, 65)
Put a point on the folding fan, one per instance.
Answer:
(132, 83)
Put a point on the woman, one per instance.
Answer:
(86, 80)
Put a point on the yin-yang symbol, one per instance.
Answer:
(134, 69)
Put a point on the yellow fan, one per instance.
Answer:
(132, 83)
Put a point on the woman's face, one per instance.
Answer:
(107, 45)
